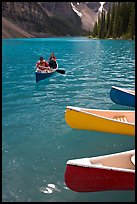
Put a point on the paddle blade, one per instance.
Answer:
(60, 71)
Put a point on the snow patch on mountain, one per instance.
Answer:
(101, 7)
(75, 10)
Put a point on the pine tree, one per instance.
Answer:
(99, 26)
(110, 29)
(108, 21)
(119, 22)
(95, 30)
(104, 26)
(131, 26)
(116, 21)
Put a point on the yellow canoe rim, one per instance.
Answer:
(110, 121)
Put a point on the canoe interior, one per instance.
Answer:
(130, 91)
(128, 116)
(123, 160)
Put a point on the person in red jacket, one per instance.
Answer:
(42, 64)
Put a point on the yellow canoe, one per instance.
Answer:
(111, 121)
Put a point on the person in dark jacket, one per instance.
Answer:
(52, 61)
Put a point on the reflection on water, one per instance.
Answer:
(49, 189)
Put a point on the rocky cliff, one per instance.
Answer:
(44, 19)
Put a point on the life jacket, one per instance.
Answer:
(43, 63)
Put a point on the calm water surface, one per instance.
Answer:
(36, 141)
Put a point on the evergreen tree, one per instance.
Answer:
(110, 29)
(104, 26)
(108, 21)
(99, 25)
(95, 30)
(118, 22)
(131, 26)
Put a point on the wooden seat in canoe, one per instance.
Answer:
(121, 118)
(133, 159)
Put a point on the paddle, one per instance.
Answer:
(61, 71)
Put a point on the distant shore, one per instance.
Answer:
(120, 38)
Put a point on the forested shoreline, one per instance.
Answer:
(117, 23)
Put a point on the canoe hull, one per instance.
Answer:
(81, 120)
(101, 173)
(40, 75)
(122, 97)
(85, 179)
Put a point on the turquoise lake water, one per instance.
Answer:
(36, 141)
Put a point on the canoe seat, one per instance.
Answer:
(120, 118)
(133, 159)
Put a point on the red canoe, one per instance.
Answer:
(102, 173)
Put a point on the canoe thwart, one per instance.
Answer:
(133, 159)
(121, 118)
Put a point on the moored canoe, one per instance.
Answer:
(110, 121)
(122, 96)
(101, 173)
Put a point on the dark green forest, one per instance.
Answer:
(117, 23)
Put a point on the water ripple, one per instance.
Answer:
(36, 139)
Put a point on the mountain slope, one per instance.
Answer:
(44, 19)
(9, 30)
